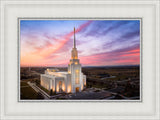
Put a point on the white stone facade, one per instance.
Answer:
(70, 82)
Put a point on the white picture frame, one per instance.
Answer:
(148, 108)
(80, 18)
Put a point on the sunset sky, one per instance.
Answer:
(99, 42)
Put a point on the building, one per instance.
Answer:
(71, 81)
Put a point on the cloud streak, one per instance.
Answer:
(129, 55)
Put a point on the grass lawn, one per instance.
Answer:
(44, 89)
(28, 93)
(24, 84)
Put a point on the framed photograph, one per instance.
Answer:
(80, 60)
(98, 70)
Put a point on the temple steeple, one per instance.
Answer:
(74, 49)
(74, 39)
(74, 68)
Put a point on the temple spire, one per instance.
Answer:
(74, 49)
(74, 39)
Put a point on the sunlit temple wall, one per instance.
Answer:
(53, 85)
(59, 84)
(81, 81)
(68, 83)
(84, 80)
(63, 86)
(47, 81)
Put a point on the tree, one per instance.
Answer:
(37, 82)
(51, 92)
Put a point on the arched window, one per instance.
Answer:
(77, 89)
(60, 86)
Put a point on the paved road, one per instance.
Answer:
(37, 89)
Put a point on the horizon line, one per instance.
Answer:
(85, 66)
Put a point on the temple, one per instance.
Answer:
(69, 82)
